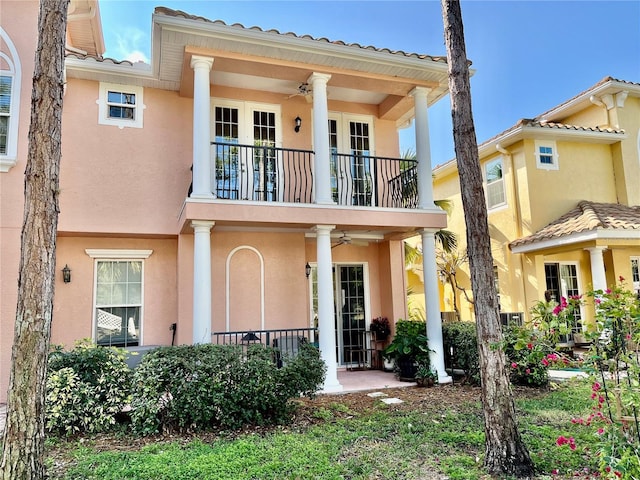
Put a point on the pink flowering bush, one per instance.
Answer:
(614, 363)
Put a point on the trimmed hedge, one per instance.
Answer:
(197, 387)
(87, 388)
(461, 338)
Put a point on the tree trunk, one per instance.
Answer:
(505, 453)
(23, 448)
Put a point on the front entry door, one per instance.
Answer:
(351, 323)
(350, 310)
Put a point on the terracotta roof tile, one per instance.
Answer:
(179, 13)
(587, 216)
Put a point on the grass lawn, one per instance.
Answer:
(436, 433)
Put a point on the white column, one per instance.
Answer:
(423, 149)
(432, 305)
(322, 167)
(201, 127)
(326, 324)
(202, 281)
(598, 275)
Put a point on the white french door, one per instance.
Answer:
(351, 145)
(351, 302)
(246, 162)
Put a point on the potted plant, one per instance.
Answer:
(381, 327)
(425, 376)
(409, 348)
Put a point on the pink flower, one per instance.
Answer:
(514, 365)
(600, 431)
(598, 301)
(628, 336)
(596, 386)
(557, 310)
(562, 441)
(572, 443)
(607, 291)
(530, 346)
(554, 471)
(621, 278)
(545, 362)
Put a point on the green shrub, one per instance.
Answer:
(460, 344)
(527, 352)
(195, 387)
(87, 388)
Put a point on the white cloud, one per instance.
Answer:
(130, 44)
(137, 56)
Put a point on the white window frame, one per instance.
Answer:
(499, 183)
(14, 71)
(245, 118)
(635, 275)
(554, 165)
(103, 106)
(114, 255)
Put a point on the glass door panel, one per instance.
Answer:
(361, 178)
(265, 168)
(227, 157)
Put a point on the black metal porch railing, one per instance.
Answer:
(286, 341)
(272, 174)
(262, 173)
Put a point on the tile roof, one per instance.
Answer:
(604, 81)
(180, 14)
(587, 216)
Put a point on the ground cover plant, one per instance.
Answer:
(436, 433)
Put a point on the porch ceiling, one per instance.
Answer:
(269, 61)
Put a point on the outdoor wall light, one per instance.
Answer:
(307, 269)
(298, 121)
(66, 274)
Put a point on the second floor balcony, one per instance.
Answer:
(264, 173)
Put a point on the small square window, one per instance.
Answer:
(546, 155)
(120, 105)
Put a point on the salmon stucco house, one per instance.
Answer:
(245, 181)
(563, 197)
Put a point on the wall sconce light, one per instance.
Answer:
(298, 121)
(66, 274)
(307, 269)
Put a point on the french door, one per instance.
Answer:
(352, 177)
(246, 163)
(562, 281)
(351, 304)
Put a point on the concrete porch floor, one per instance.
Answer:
(360, 380)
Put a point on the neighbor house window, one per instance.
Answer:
(10, 81)
(495, 183)
(118, 296)
(546, 155)
(120, 105)
(635, 274)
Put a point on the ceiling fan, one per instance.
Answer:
(303, 89)
(346, 239)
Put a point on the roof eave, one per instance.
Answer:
(578, 237)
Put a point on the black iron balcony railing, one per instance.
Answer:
(272, 174)
(262, 173)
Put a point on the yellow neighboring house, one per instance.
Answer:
(563, 197)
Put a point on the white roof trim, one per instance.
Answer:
(598, 234)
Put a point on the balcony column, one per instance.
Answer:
(322, 167)
(201, 281)
(598, 275)
(326, 324)
(423, 149)
(432, 304)
(201, 127)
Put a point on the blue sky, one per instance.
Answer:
(528, 56)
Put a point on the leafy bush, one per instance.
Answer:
(87, 387)
(195, 387)
(527, 353)
(460, 343)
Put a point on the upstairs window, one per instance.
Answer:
(10, 81)
(120, 105)
(546, 156)
(495, 183)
